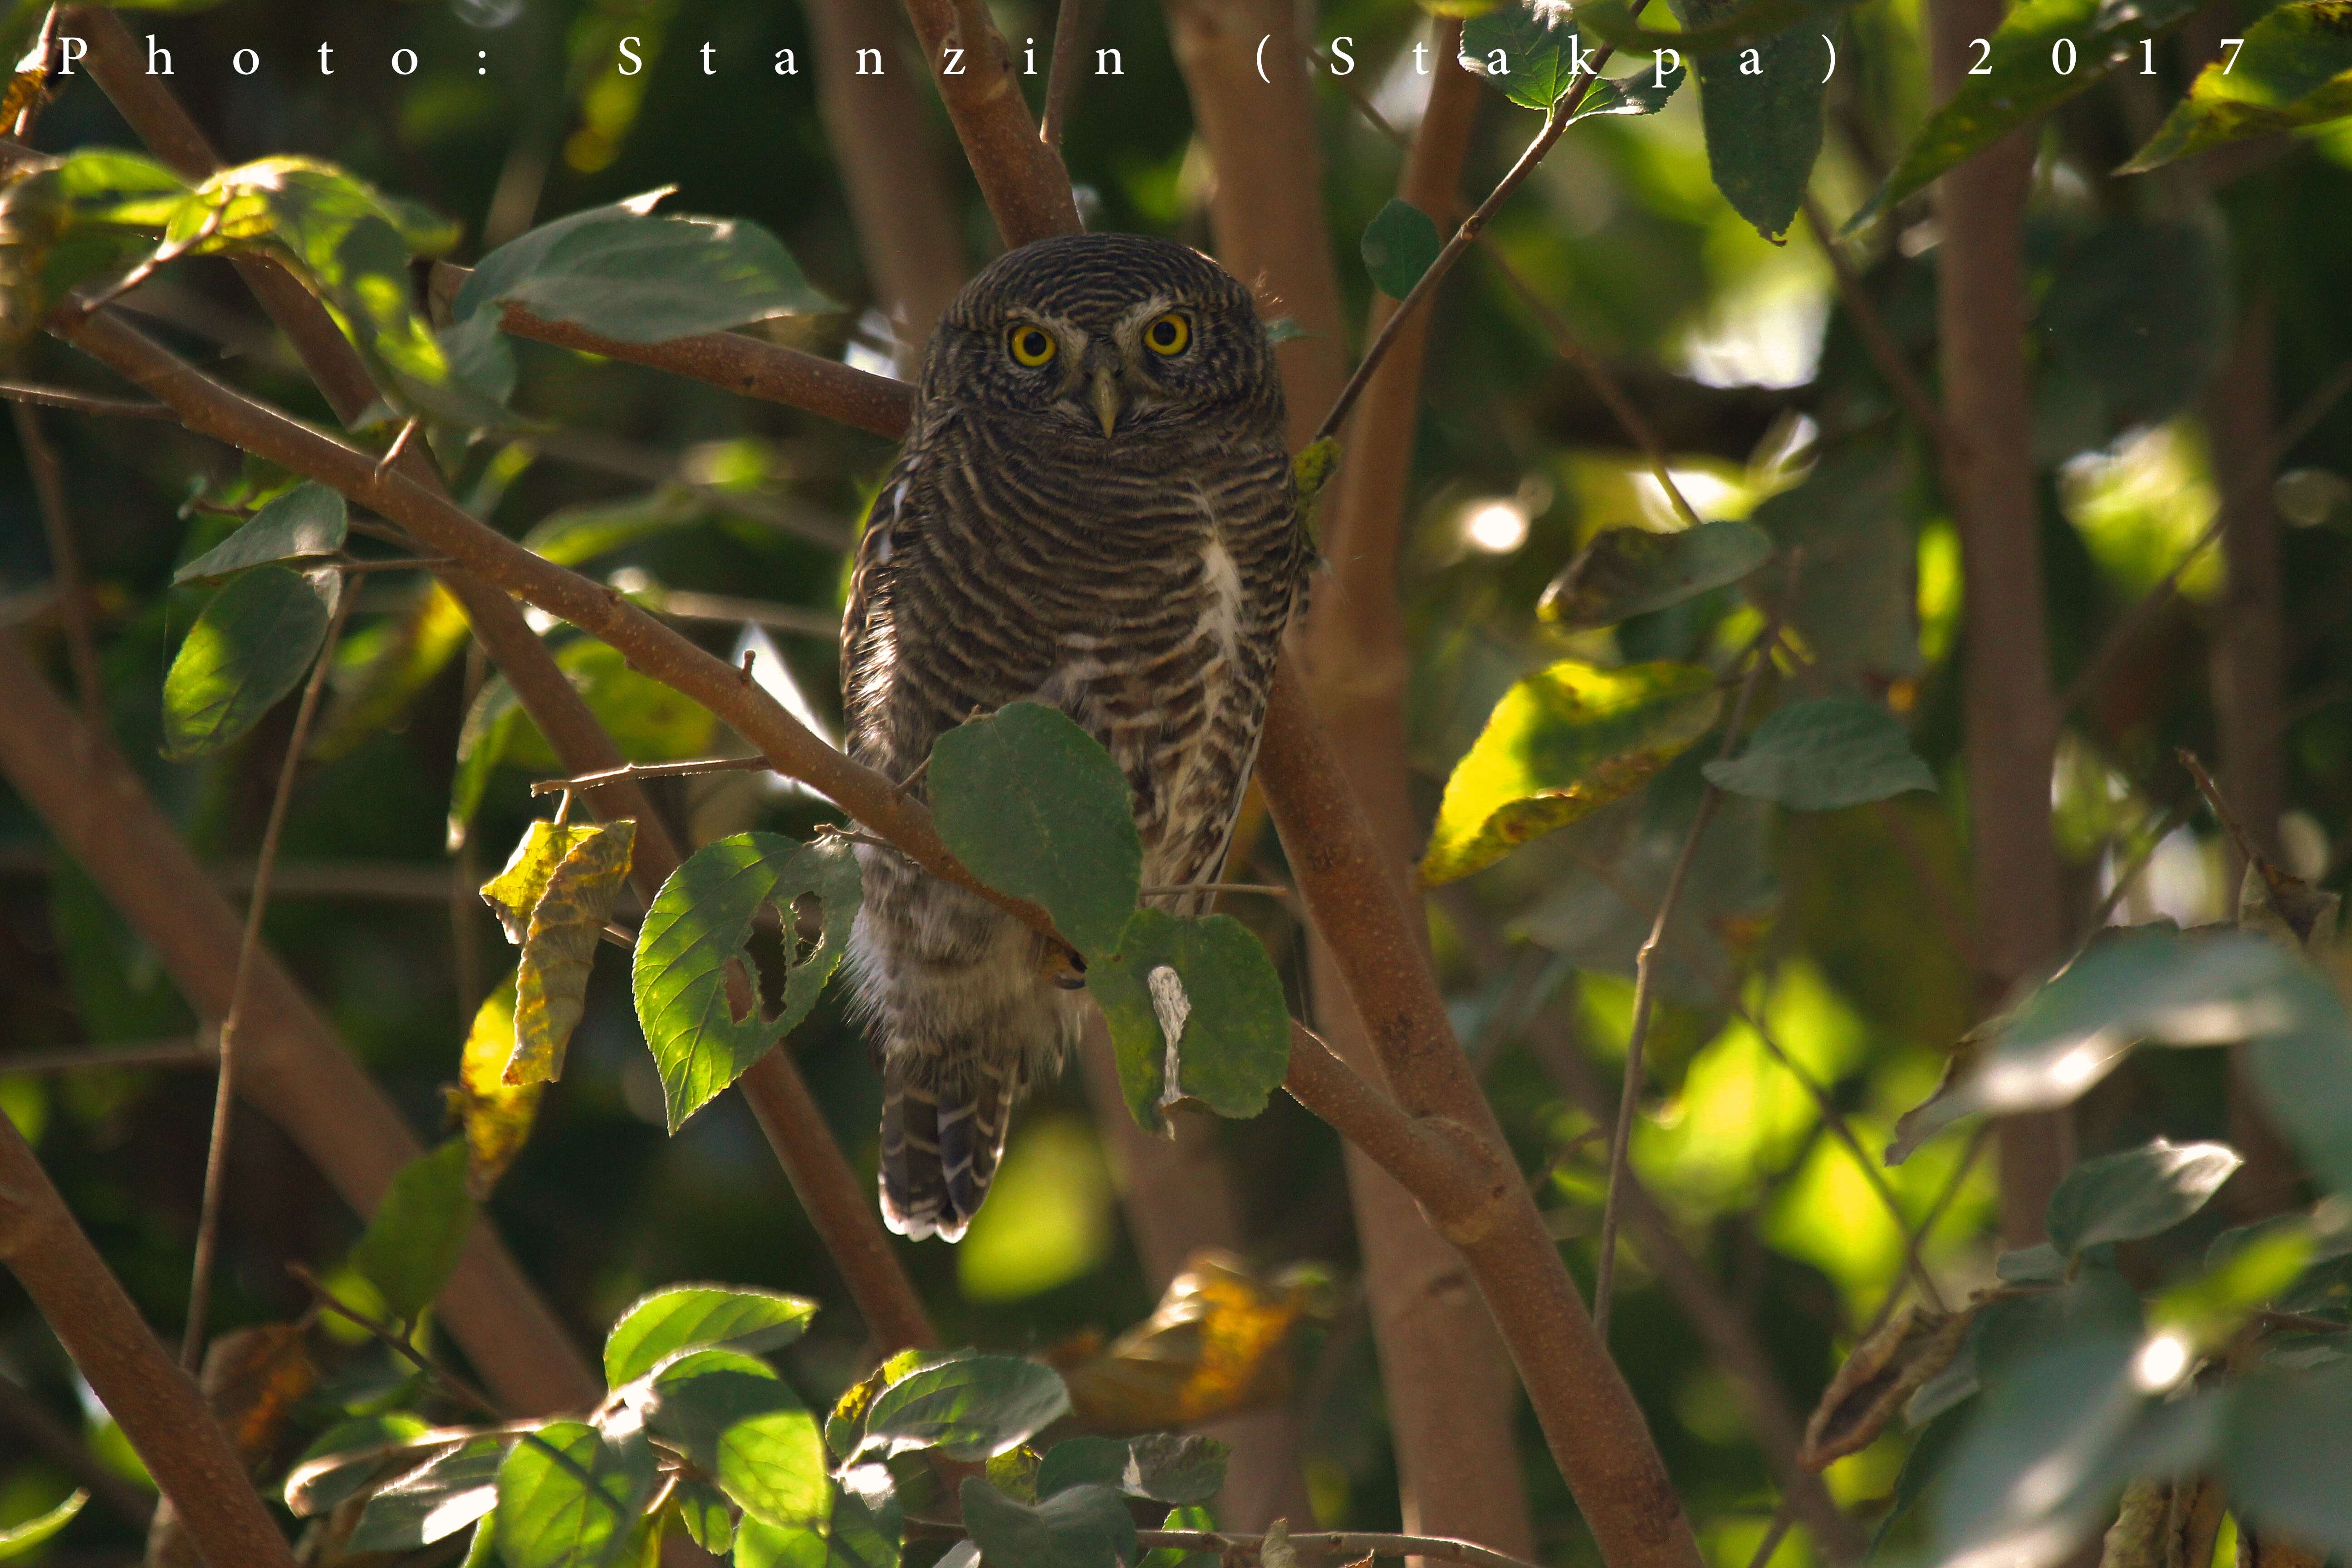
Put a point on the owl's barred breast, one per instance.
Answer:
(1136, 574)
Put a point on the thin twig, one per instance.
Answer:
(200, 1281)
(2218, 805)
(1645, 962)
(83, 402)
(398, 1344)
(1778, 1531)
(1934, 1216)
(1177, 890)
(1347, 1545)
(1842, 1131)
(1556, 123)
(189, 1053)
(65, 563)
(1073, 29)
(1879, 343)
(654, 771)
(2145, 609)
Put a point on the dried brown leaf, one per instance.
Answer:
(1879, 1377)
(553, 898)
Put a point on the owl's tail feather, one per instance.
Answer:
(940, 1143)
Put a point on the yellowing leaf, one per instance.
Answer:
(1218, 1343)
(1563, 742)
(496, 1115)
(553, 898)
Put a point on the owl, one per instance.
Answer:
(1093, 509)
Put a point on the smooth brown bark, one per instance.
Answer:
(1021, 178)
(157, 1404)
(295, 1070)
(2010, 714)
(892, 174)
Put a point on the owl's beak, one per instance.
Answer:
(1106, 398)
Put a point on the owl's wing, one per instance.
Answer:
(889, 523)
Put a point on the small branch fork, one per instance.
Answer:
(398, 1342)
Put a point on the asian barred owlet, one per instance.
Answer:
(1093, 509)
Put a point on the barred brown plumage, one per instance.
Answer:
(1103, 522)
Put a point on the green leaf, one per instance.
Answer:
(1643, 92)
(251, 646)
(971, 1408)
(1200, 997)
(1399, 244)
(854, 1538)
(347, 1457)
(1824, 754)
(1191, 1517)
(419, 1228)
(708, 1517)
(1763, 125)
(1856, 605)
(2136, 1193)
(437, 1498)
(574, 535)
(2294, 70)
(1036, 808)
(20, 1540)
(701, 923)
(569, 1498)
(743, 1426)
(554, 898)
(700, 1316)
(1529, 53)
(2286, 1448)
(1085, 1527)
(1160, 1466)
(1562, 743)
(2158, 985)
(2019, 82)
(309, 520)
(1628, 572)
(623, 272)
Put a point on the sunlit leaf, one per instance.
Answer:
(1196, 1012)
(1036, 808)
(1644, 91)
(419, 1228)
(708, 1517)
(1533, 54)
(554, 898)
(676, 1318)
(969, 1408)
(2294, 70)
(495, 1115)
(743, 1426)
(350, 1452)
(251, 646)
(2286, 1451)
(844, 1426)
(1823, 755)
(569, 1498)
(1563, 743)
(1085, 1527)
(437, 1498)
(1218, 1343)
(854, 1537)
(2020, 81)
(2136, 1193)
(697, 932)
(1399, 244)
(1628, 572)
(309, 520)
(22, 1540)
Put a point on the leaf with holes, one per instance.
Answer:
(2293, 71)
(309, 520)
(700, 927)
(570, 1498)
(1399, 244)
(1628, 572)
(1824, 754)
(553, 898)
(1196, 1012)
(249, 648)
(1563, 742)
(2017, 78)
(1036, 808)
(971, 1408)
(419, 1228)
(700, 1316)
(437, 1498)
(2136, 1193)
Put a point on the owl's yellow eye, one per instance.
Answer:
(1032, 346)
(1169, 334)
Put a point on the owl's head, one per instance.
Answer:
(1102, 338)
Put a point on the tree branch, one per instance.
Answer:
(65, 562)
(157, 1403)
(1022, 179)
